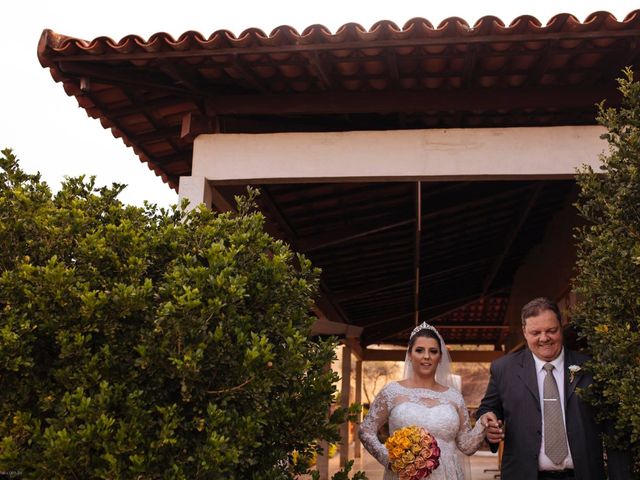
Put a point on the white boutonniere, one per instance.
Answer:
(573, 370)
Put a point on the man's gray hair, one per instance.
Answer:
(538, 305)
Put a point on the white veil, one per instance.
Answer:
(443, 372)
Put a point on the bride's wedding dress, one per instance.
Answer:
(443, 414)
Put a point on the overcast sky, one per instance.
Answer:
(51, 134)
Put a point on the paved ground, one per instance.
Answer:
(476, 469)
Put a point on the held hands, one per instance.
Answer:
(494, 431)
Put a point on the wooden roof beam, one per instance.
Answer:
(343, 235)
(386, 102)
(149, 104)
(122, 76)
(186, 77)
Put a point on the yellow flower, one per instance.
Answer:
(398, 452)
(408, 457)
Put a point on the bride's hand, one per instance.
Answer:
(493, 427)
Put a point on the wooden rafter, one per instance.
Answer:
(124, 76)
(183, 76)
(149, 104)
(246, 73)
(388, 102)
(353, 232)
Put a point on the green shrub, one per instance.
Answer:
(608, 281)
(151, 343)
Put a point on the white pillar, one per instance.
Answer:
(344, 403)
(322, 461)
(196, 190)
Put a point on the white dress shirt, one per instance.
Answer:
(544, 462)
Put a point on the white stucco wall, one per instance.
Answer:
(481, 154)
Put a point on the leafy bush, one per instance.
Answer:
(608, 280)
(151, 343)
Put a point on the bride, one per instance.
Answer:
(425, 398)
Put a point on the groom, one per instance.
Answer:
(549, 432)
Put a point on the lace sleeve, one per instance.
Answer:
(378, 415)
(468, 439)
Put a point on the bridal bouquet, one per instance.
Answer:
(413, 453)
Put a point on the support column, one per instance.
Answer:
(196, 190)
(322, 461)
(344, 403)
(357, 447)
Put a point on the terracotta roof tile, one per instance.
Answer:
(415, 76)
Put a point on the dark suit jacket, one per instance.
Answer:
(513, 396)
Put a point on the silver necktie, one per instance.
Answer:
(555, 437)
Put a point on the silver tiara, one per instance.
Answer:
(424, 326)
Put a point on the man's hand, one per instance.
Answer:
(494, 432)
